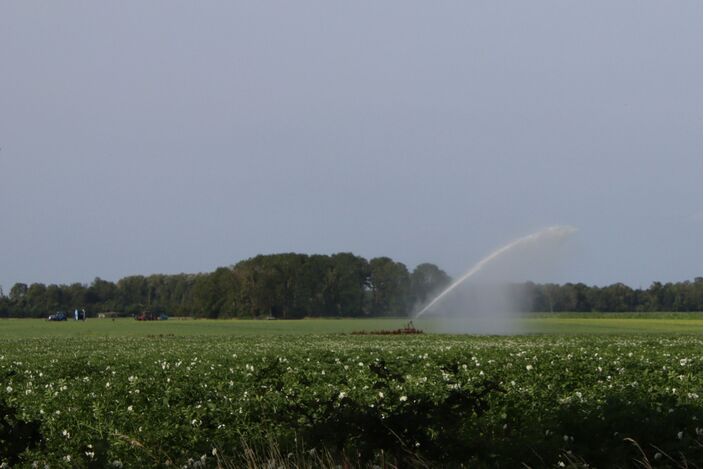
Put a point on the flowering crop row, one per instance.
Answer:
(540, 400)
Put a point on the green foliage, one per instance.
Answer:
(389, 282)
(426, 281)
(16, 434)
(677, 297)
(292, 286)
(446, 400)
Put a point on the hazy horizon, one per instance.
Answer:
(168, 137)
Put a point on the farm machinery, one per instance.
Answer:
(151, 316)
(409, 329)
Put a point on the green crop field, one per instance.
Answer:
(607, 391)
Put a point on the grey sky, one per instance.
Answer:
(143, 137)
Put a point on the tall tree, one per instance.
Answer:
(389, 283)
(18, 301)
(345, 284)
(101, 295)
(132, 293)
(426, 281)
(36, 300)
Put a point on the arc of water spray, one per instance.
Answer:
(553, 231)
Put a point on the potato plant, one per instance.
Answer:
(427, 399)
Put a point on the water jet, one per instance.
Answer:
(547, 238)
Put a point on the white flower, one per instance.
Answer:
(214, 452)
(529, 367)
(403, 398)
(342, 395)
(129, 409)
(381, 394)
(680, 435)
(66, 433)
(8, 389)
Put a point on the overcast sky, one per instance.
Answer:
(163, 137)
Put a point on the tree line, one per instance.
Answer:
(284, 286)
(291, 285)
(616, 298)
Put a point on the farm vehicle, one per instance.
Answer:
(59, 316)
(151, 316)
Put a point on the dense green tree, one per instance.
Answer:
(18, 292)
(653, 297)
(101, 296)
(617, 298)
(389, 282)
(344, 285)
(311, 286)
(18, 300)
(36, 300)
(132, 294)
(55, 298)
(4, 304)
(291, 285)
(75, 296)
(257, 293)
(694, 294)
(426, 281)
(206, 298)
(295, 285)
(286, 284)
(228, 289)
